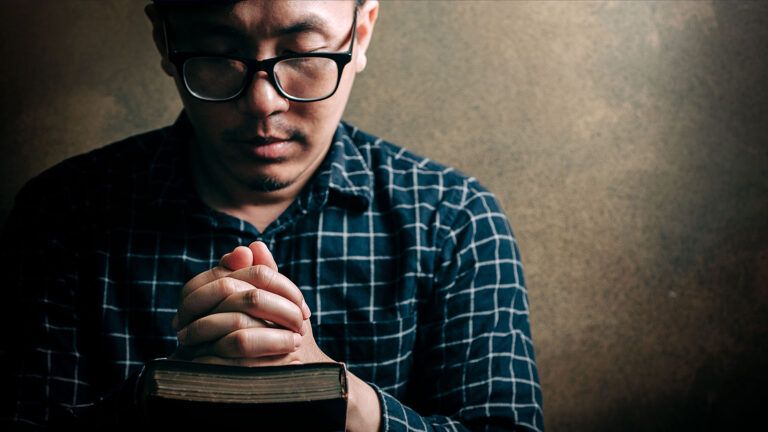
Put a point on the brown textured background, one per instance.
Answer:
(628, 143)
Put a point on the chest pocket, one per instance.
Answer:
(376, 351)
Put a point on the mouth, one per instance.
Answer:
(268, 148)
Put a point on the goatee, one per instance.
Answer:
(267, 184)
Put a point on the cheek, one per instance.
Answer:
(331, 109)
(210, 119)
(316, 120)
(206, 116)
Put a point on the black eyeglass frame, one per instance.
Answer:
(179, 58)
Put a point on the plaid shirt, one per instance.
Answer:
(410, 269)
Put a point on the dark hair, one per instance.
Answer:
(166, 3)
(165, 6)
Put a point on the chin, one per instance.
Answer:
(267, 184)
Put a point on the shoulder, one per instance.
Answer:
(403, 173)
(83, 180)
(132, 154)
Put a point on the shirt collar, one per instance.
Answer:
(345, 173)
(344, 178)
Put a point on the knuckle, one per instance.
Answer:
(225, 286)
(219, 272)
(263, 274)
(252, 298)
(243, 342)
(186, 290)
(253, 273)
(288, 344)
(193, 330)
(241, 321)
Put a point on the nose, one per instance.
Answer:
(261, 98)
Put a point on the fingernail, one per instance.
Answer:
(181, 335)
(296, 340)
(305, 309)
(175, 322)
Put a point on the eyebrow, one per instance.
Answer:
(307, 24)
(310, 23)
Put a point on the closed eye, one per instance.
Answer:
(300, 52)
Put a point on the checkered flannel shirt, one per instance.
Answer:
(410, 269)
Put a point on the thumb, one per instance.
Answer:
(262, 255)
(240, 258)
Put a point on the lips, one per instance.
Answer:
(268, 147)
(264, 140)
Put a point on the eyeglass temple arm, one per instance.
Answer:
(165, 39)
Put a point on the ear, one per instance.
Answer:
(366, 20)
(158, 35)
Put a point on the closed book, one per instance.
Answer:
(310, 396)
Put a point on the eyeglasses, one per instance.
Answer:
(300, 77)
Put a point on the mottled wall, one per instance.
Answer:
(628, 142)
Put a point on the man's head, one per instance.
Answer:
(262, 138)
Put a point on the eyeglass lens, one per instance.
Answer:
(221, 78)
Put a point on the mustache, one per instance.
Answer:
(257, 133)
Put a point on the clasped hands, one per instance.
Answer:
(243, 312)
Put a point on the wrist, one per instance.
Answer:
(363, 407)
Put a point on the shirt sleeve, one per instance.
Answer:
(46, 368)
(478, 368)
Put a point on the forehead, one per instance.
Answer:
(263, 18)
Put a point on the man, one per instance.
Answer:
(288, 236)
